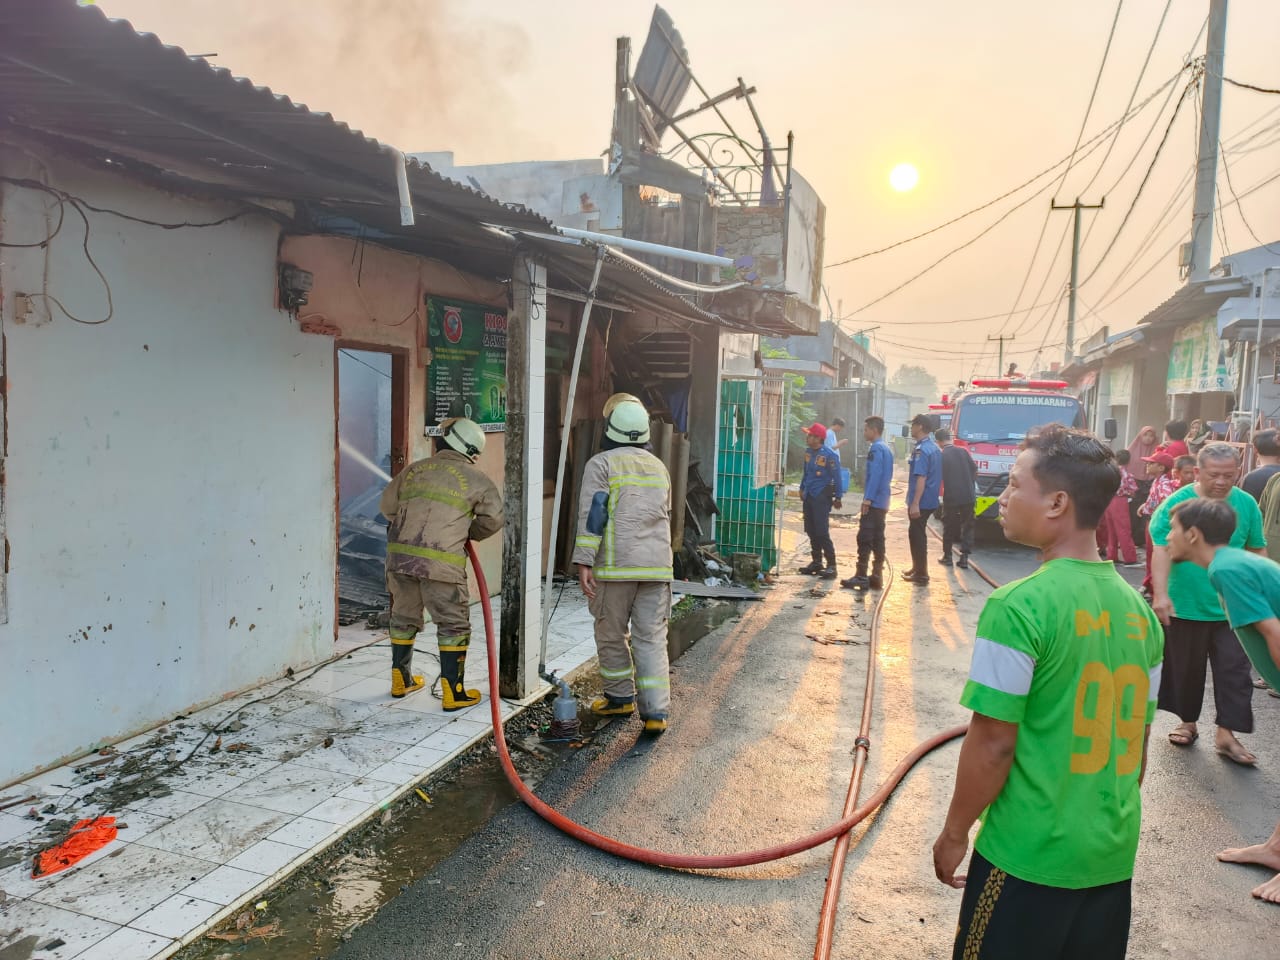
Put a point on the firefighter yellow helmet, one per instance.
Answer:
(464, 436)
(616, 399)
(627, 421)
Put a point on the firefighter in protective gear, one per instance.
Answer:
(435, 506)
(623, 553)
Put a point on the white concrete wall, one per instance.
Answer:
(169, 474)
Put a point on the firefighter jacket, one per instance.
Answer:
(636, 541)
(435, 506)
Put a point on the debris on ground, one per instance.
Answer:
(86, 837)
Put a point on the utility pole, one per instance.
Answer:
(1002, 338)
(1207, 158)
(1075, 267)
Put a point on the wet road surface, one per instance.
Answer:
(765, 711)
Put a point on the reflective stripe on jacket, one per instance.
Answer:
(636, 543)
(435, 506)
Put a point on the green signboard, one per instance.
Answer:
(468, 372)
(1198, 361)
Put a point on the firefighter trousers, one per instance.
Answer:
(448, 604)
(638, 668)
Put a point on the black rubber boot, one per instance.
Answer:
(456, 696)
(403, 680)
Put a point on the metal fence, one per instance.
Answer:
(749, 468)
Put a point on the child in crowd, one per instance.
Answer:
(1160, 470)
(1184, 468)
(1116, 534)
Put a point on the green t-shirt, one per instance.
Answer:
(1072, 655)
(1250, 589)
(1192, 594)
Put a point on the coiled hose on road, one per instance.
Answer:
(689, 861)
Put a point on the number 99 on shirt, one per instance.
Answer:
(1110, 713)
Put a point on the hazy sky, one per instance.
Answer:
(979, 96)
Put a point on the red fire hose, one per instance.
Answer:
(657, 857)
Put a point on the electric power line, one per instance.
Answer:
(1008, 193)
(1141, 186)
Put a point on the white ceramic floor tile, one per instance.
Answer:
(126, 944)
(11, 827)
(20, 919)
(304, 832)
(177, 916)
(267, 857)
(278, 740)
(127, 885)
(402, 726)
(350, 754)
(140, 823)
(447, 740)
(371, 690)
(421, 702)
(216, 779)
(290, 788)
(175, 804)
(471, 724)
(371, 790)
(329, 680)
(425, 756)
(16, 880)
(397, 774)
(330, 715)
(339, 810)
(216, 832)
(223, 886)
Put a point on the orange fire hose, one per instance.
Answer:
(660, 858)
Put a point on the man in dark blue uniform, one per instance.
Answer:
(819, 491)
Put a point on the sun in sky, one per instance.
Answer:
(904, 177)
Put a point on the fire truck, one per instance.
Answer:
(993, 416)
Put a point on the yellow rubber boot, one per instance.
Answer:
(607, 706)
(455, 695)
(403, 680)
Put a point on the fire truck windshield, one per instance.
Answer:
(1007, 416)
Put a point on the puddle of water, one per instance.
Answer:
(322, 902)
(319, 905)
(696, 624)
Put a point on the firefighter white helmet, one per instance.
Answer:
(464, 436)
(627, 422)
(616, 399)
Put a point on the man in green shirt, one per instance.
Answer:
(1249, 585)
(1196, 629)
(1062, 687)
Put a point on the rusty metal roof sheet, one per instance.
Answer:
(80, 81)
(73, 75)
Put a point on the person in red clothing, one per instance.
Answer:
(1163, 482)
(1175, 439)
(1117, 536)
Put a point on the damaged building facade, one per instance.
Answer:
(759, 227)
(190, 263)
(226, 317)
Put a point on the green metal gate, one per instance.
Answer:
(751, 454)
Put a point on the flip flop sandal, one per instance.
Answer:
(1184, 739)
(1226, 752)
(1260, 684)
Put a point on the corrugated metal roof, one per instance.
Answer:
(80, 81)
(1195, 301)
(71, 73)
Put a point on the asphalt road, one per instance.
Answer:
(765, 711)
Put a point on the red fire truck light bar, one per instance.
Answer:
(1000, 383)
